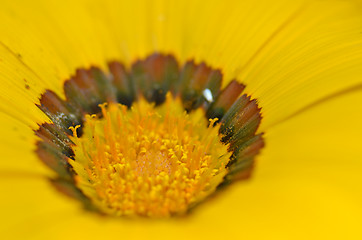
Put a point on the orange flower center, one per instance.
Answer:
(148, 161)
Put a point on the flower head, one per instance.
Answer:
(301, 60)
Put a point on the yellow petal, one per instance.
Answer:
(311, 170)
(17, 144)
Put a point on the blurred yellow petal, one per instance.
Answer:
(311, 167)
(17, 143)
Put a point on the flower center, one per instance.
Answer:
(148, 161)
(137, 141)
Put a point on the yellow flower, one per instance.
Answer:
(300, 59)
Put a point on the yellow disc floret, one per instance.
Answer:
(147, 160)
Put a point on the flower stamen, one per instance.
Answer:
(148, 161)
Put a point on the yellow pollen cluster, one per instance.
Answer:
(148, 161)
